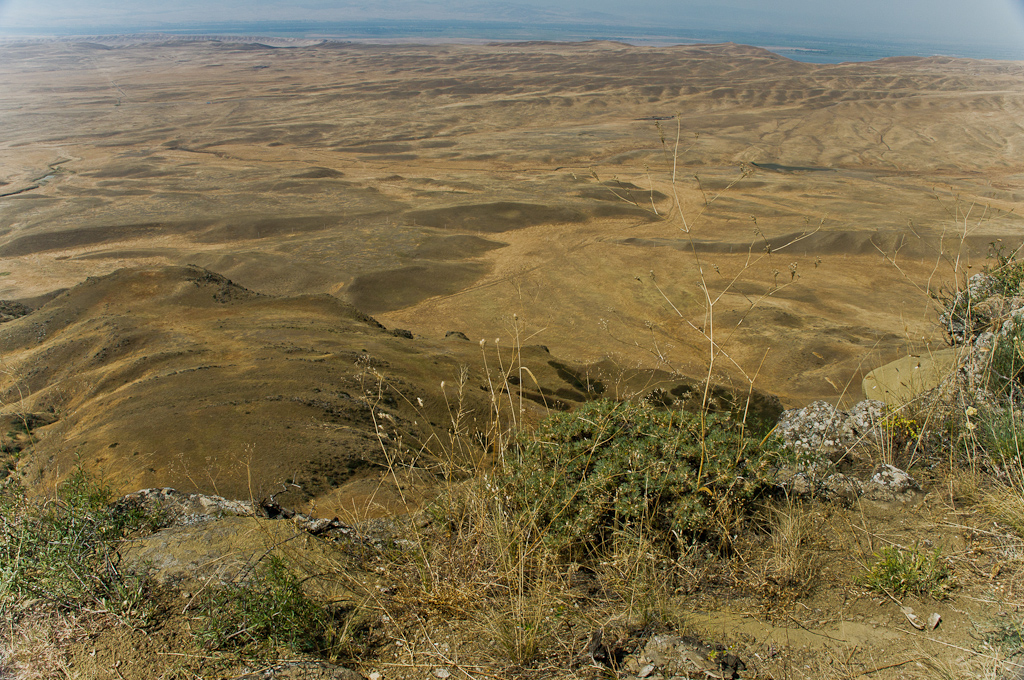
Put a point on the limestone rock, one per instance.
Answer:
(889, 483)
(671, 656)
(842, 488)
(820, 481)
(823, 431)
(185, 509)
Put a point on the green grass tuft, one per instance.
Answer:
(900, 572)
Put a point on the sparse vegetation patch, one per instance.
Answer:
(911, 571)
(63, 551)
(268, 610)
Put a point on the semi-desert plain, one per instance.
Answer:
(282, 268)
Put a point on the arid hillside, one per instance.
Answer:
(174, 376)
(451, 187)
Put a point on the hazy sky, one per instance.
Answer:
(943, 21)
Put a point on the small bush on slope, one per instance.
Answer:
(900, 572)
(63, 551)
(267, 610)
(609, 467)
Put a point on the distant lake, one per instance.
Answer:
(799, 48)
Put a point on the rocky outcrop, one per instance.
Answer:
(178, 508)
(986, 318)
(822, 436)
(205, 539)
(889, 483)
(671, 656)
(985, 302)
(821, 430)
(886, 483)
(303, 670)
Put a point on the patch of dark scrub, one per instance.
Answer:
(103, 192)
(122, 254)
(438, 144)
(77, 238)
(267, 227)
(394, 157)
(129, 171)
(377, 148)
(760, 409)
(458, 247)
(494, 217)
(712, 184)
(223, 289)
(822, 243)
(11, 310)
(550, 401)
(776, 167)
(625, 192)
(296, 187)
(393, 289)
(625, 211)
(319, 173)
(578, 379)
(330, 470)
(31, 187)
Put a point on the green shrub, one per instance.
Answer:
(961, 316)
(999, 434)
(609, 467)
(1007, 635)
(899, 572)
(268, 609)
(1005, 269)
(1006, 364)
(64, 550)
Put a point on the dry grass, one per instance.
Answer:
(484, 565)
(36, 647)
(479, 546)
(794, 561)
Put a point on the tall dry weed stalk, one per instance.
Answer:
(761, 254)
